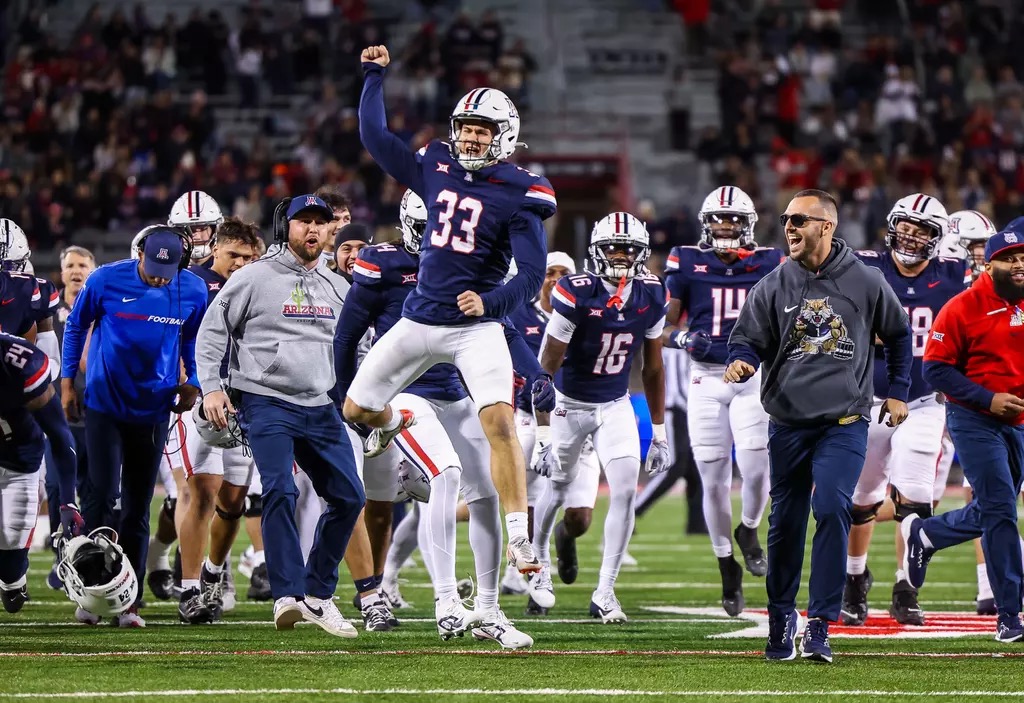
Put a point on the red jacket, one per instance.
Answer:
(982, 335)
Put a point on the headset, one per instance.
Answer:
(281, 221)
(186, 242)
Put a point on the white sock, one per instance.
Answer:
(188, 584)
(517, 525)
(211, 567)
(440, 525)
(984, 587)
(622, 475)
(544, 518)
(368, 600)
(392, 424)
(901, 575)
(403, 544)
(16, 585)
(716, 477)
(258, 557)
(855, 566)
(158, 557)
(485, 540)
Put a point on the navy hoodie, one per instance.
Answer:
(814, 332)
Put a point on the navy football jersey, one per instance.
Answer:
(24, 301)
(24, 376)
(711, 292)
(531, 321)
(922, 297)
(389, 272)
(466, 244)
(213, 280)
(600, 353)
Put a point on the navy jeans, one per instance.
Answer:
(812, 468)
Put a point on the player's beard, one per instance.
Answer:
(1005, 287)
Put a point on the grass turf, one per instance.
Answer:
(672, 648)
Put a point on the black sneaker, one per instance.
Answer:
(192, 609)
(161, 583)
(213, 592)
(753, 555)
(259, 584)
(732, 585)
(565, 549)
(905, 609)
(533, 609)
(855, 598)
(377, 617)
(14, 598)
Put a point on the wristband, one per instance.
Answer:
(659, 433)
(544, 434)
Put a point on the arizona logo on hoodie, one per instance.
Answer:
(299, 307)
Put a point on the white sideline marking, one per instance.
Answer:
(269, 623)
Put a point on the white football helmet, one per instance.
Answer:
(136, 242)
(96, 573)
(922, 210)
(964, 229)
(14, 249)
(227, 438)
(412, 483)
(412, 218)
(727, 206)
(619, 230)
(493, 107)
(197, 209)
(560, 258)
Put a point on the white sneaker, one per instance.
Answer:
(287, 612)
(323, 612)
(541, 589)
(513, 583)
(379, 440)
(453, 618)
(247, 563)
(85, 617)
(521, 555)
(129, 619)
(606, 606)
(393, 596)
(497, 627)
(629, 560)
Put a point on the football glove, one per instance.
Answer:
(544, 459)
(543, 393)
(696, 342)
(657, 457)
(72, 524)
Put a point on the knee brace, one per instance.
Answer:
(862, 515)
(228, 517)
(253, 505)
(905, 508)
(170, 505)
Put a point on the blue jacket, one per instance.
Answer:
(139, 335)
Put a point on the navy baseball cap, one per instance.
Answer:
(309, 202)
(1010, 238)
(162, 253)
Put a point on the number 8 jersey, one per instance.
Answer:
(922, 297)
(711, 292)
(603, 337)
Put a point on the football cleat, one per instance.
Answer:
(379, 440)
(606, 606)
(453, 618)
(781, 644)
(565, 548)
(161, 583)
(128, 619)
(855, 598)
(247, 563)
(377, 617)
(85, 617)
(227, 588)
(521, 556)
(814, 644)
(393, 596)
(753, 555)
(541, 590)
(192, 609)
(287, 612)
(259, 584)
(513, 583)
(211, 586)
(14, 598)
(732, 586)
(1009, 628)
(986, 606)
(916, 556)
(323, 612)
(495, 626)
(905, 609)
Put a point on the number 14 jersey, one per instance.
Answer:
(711, 292)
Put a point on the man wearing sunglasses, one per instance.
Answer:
(812, 322)
(902, 461)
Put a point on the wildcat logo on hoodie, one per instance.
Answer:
(301, 308)
(819, 329)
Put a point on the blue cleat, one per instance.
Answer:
(781, 637)
(814, 644)
(916, 555)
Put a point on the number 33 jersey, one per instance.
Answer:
(605, 337)
(711, 292)
(922, 297)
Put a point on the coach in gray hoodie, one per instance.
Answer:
(278, 316)
(812, 323)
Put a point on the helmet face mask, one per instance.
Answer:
(917, 225)
(227, 438)
(727, 218)
(14, 248)
(619, 247)
(412, 218)
(970, 229)
(492, 110)
(96, 573)
(193, 211)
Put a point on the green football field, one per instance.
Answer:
(678, 644)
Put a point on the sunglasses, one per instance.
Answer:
(799, 219)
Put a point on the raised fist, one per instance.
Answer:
(376, 54)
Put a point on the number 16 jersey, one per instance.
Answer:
(711, 292)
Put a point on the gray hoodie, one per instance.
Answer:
(279, 318)
(814, 332)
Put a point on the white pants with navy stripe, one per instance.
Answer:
(19, 506)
